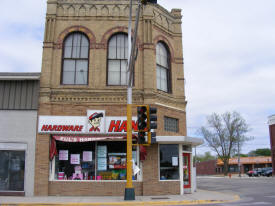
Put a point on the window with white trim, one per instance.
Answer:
(169, 161)
(92, 161)
(75, 59)
(117, 59)
(163, 67)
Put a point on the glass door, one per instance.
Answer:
(186, 170)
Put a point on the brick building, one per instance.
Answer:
(206, 167)
(271, 122)
(80, 145)
(213, 167)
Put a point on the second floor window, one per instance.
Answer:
(163, 68)
(75, 59)
(117, 59)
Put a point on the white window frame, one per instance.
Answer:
(52, 171)
(118, 58)
(159, 162)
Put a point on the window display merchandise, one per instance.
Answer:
(90, 160)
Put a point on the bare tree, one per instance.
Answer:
(223, 133)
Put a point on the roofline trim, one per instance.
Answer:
(19, 76)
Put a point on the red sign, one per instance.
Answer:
(121, 126)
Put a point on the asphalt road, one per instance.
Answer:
(254, 191)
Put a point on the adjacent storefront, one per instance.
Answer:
(18, 119)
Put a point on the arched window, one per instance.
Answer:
(75, 59)
(163, 67)
(117, 59)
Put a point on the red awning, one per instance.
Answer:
(65, 138)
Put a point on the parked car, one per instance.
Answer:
(259, 171)
(252, 173)
(268, 173)
(263, 170)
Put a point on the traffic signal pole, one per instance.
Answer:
(129, 189)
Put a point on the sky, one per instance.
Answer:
(228, 50)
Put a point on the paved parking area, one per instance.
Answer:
(257, 191)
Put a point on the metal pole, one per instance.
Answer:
(195, 156)
(239, 162)
(129, 190)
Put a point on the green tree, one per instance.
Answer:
(241, 155)
(260, 152)
(205, 157)
(223, 133)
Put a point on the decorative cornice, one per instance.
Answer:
(102, 97)
(166, 98)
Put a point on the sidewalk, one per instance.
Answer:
(199, 197)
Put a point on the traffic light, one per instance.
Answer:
(152, 124)
(142, 123)
(142, 118)
(147, 121)
(149, 1)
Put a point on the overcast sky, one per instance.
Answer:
(228, 48)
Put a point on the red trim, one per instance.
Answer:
(189, 168)
(53, 151)
(142, 153)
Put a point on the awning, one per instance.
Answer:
(65, 138)
(194, 141)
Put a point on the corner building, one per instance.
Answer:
(81, 145)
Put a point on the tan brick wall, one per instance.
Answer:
(42, 165)
(99, 20)
(91, 188)
(151, 183)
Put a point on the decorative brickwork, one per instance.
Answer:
(106, 36)
(162, 38)
(88, 32)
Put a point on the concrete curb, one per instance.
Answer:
(182, 202)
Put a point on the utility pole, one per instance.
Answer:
(239, 162)
(129, 189)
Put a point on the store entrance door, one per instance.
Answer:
(186, 170)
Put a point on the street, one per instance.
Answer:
(252, 191)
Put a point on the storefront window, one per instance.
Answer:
(169, 162)
(75, 161)
(111, 160)
(12, 170)
(91, 160)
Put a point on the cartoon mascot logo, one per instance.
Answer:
(95, 120)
